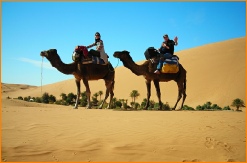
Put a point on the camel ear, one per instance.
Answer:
(125, 51)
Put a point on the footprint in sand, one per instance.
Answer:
(211, 143)
(129, 149)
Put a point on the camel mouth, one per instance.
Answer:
(43, 53)
(115, 55)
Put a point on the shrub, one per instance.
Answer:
(199, 107)
(136, 105)
(83, 100)
(118, 104)
(226, 108)
(125, 106)
(156, 106)
(26, 99)
(38, 100)
(186, 107)
(52, 99)
(216, 107)
(45, 98)
(166, 106)
(20, 98)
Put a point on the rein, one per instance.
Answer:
(41, 73)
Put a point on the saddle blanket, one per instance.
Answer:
(94, 60)
(170, 65)
(172, 60)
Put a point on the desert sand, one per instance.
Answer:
(49, 132)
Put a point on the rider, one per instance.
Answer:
(99, 47)
(167, 50)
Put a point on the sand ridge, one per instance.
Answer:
(215, 73)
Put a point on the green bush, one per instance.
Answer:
(26, 99)
(38, 100)
(156, 106)
(186, 107)
(166, 106)
(118, 104)
(199, 107)
(136, 105)
(20, 98)
(216, 107)
(226, 108)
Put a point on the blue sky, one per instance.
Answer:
(31, 27)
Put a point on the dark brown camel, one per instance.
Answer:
(84, 72)
(147, 69)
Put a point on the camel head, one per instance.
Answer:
(122, 55)
(48, 53)
(51, 55)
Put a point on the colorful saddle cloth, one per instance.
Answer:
(170, 65)
(94, 60)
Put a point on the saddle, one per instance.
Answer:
(169, 65)
(81, 54)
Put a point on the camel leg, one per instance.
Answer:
(157, 86)
(148, 85)
(108, 85)
(180, 92)
(88, 92)
(184, 93)
(78, 85)
(111, 94)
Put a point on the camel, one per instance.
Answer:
(84, 72)
(147, 71)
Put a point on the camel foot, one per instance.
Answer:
(75, 107)
(88, 107)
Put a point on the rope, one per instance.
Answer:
(41, 73)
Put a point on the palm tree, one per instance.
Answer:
(100, 93)
(238, 103)
(134, 94)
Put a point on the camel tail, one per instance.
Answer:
(185, 84)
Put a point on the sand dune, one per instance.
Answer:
(45, 132)
(215, 72)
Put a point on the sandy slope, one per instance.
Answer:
(44, 132)
(216, 73)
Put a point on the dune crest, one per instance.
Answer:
(215, 72)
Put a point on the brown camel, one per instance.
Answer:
(84, 72)
(147, 70)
